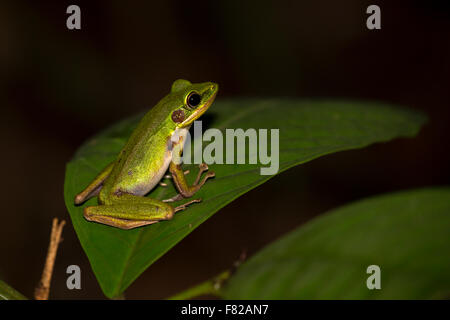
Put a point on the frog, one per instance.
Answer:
(154, 147)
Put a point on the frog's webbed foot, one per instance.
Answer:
(176, 197)
(181, 183)
(203, 167)
(185, 205)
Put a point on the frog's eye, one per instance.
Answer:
(193, 100)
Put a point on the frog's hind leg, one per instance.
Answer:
(95, 186)
(119, 223)
(127, 211)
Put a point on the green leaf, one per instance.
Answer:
(9, 293)
(308, 129)
(406, 234)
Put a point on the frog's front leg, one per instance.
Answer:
(127, 211)
(179, 178)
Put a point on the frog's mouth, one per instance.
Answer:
(198, 113)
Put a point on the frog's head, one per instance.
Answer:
(193, 99)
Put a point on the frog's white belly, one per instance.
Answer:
(143, 188)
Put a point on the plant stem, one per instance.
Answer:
(43, 289)
(209, 287)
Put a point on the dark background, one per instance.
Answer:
(58, 87)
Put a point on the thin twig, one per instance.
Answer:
(43, 289)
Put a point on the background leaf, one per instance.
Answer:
(308, 129)
(9, 293)
(406, 234)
